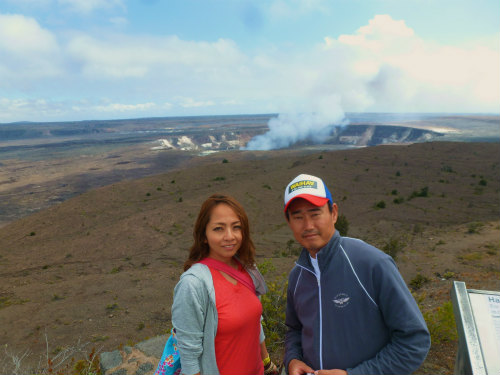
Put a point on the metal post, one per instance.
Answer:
(469, 359)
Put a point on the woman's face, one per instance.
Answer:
(223, 233)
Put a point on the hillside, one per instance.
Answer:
(101, 266)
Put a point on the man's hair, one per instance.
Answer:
(200, 249)
(330, 208)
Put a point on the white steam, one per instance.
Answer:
(289, 128)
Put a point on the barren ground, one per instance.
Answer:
(101, 266)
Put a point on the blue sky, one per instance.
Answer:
(63, 60)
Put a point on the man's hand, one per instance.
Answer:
(330, 372)
(296, 367)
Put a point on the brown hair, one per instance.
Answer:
(200, 250)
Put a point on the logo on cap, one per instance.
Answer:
(302, 184)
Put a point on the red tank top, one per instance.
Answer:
(237, 344)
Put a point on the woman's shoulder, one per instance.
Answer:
(196, 273)
(196, 277)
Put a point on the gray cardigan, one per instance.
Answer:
(194, 316)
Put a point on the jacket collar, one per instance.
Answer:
(324, 255)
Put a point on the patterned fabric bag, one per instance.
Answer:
(170, 362)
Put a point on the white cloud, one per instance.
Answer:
(383, 66)
(26, 49)
(119, 107)
(120, 56)
(192, 103)
(88, 6)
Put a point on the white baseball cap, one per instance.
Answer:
(308, 187)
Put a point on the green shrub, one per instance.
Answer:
(398, 200)
(448, 275)
(273, 311)
(379, 205)
(111, 307)
(475, 227)
(441, 323)
(393, 246)
(116, 269)
(424, 192)
(418, 281)
(342, 225)
(291, 250)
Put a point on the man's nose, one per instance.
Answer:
(308, 223)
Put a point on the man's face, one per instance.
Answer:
(312, 226)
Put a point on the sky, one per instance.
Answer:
(70, 60)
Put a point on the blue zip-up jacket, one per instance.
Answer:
(360, 316)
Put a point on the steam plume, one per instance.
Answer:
(290, 128)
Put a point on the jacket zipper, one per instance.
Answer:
(320, 318)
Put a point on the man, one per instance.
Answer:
(349, 310)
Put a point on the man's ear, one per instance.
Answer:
(335, 212)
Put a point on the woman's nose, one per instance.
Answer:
(228, 234)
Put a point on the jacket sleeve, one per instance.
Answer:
(188, 318)
(293, 338)
(410, 339)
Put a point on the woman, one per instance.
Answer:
(216, 311)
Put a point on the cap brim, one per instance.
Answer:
(317, 201)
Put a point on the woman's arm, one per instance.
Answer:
(188, 318)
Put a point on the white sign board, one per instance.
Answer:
(477, 315)
(486, 310)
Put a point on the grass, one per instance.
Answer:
(76, 360)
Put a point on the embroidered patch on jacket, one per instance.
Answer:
(341, 300)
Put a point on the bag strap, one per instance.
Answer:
(241, 276)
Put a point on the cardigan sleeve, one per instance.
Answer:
(188, 318)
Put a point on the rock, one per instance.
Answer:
(109, 360)
(144, 368)
(153, 347)
(121, 371)
(142, 359)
